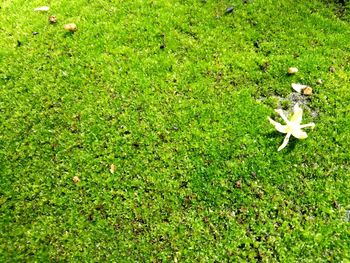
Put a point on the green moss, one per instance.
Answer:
(176, 95)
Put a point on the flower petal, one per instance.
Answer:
(311, 124)
(285, 142)
(298, 114)
(298, 87)
(279, 127)
(42, 8)
(298, 133)
(281, 113)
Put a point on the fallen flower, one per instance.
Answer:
(42, 8)
(293, 126)
(299, 87)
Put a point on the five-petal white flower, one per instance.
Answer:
(293, 126)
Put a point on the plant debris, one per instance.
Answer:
(112, 169)
(42, 9)
(292, 70)
(298, 87)
(52, 19)
(71, 27)
(76, 179)
(307, 91)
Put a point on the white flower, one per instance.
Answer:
(298, 87)
(293, 126)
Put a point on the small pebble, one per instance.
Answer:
(332, 69)
(229, 10)
(35, 33)
(76, 179)
(292, 71)
(70, 27)
(307, 91)
(319, 81)
(52, 19)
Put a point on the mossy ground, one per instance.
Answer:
(176, 95)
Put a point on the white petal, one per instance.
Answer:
(279, 127)
(311, 124)
(298, 133)
(298, 114)
(285, 142)
(298, 87)
(42, 8)
(281, 113)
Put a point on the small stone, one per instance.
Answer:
(52, 19)
(332, 69)
(292, 71)
(307, 91)
(319, 81)
(70, 27)
(229, 10)
(76, 179)
(35, 33)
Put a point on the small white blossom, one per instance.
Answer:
(298, 87)
(293, 126)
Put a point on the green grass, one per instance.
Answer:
(176, 95)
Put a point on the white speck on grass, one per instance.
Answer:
(347, 216)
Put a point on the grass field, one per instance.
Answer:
(143, 136)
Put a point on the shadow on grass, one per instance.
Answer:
(68, 34)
